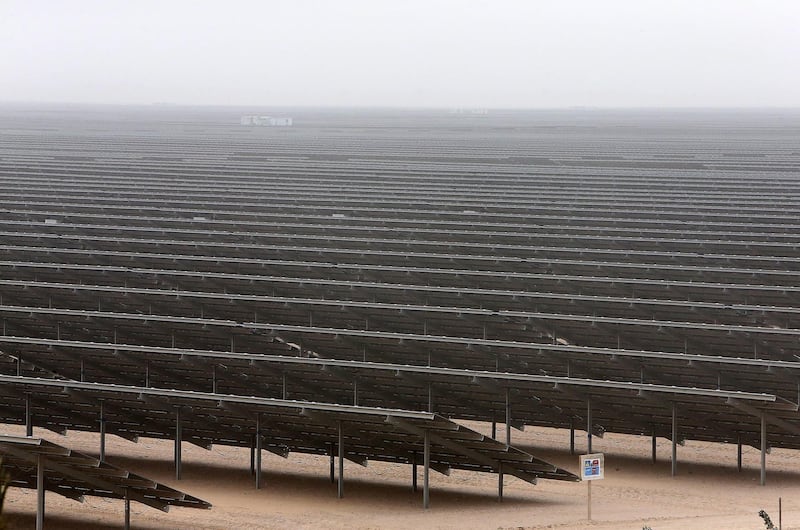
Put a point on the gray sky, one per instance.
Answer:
(440, 53)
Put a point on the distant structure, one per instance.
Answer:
(470, 112)
(266, 121)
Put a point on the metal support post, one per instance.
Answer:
(653, 445)
(28, 416)
(763, 449)
(589, 424)
(102, 433)
(253, 455)
(426, 491)
(414, 471)
(674, 439)
(39, 492)
(178, 440)
(333, 465)
(739, 453)
(340, 492)
(127, 509)
(258, 451)
(500, 482)
(508, 419)
(494, 429)
(571, 436)
(589, 500)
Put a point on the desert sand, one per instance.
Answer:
(708, 491)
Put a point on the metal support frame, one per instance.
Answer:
(500, 482)
(571, 436)
(258, 451)
(674, 439)
(589, 450)
(739, 453)
(178, 440)
(589, 424)
(127, 509)
(28, 416)
(102, 432)
(494, 429)
(508, 418)
(763, 449)
(40, 492)
(414, 471)
(653, 445)
(340, 490)
(333, 464)
(426, 491)
(253, 455)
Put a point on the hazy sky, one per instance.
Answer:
(499, 53)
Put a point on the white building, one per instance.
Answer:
(469, 112)
(266, 121)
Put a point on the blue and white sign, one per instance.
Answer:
(592, 466)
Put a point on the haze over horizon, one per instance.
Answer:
(440, 53)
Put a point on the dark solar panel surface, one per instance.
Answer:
(591, 251)
(76, 475)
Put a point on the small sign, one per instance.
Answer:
(592, 466)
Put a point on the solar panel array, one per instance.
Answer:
(520, 266)
(75, 475)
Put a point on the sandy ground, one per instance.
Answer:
(707, 493)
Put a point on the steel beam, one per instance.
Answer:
(426, 491)
(508, 418)
(178, 440)
(332, 464)
(127, 509)
(414, 471)
(258, 451)
(500, 482)
(340, 491)
(739, 453)
(653, 444)
(589, 424)
(40, 462)
(571, 436)
(253, 455)
(763, 449)
(28, 415)
(102, 433)
(674, 439)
